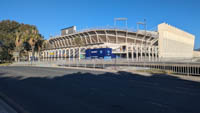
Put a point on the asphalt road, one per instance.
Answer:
(54, 90)
(5, 108)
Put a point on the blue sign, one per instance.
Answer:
(101, 53)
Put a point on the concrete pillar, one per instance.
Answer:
(74, 53)
(145, 52)
(132, 55)
(49, 54)
(69, 53)
(137, 52)
(65, 53)
(141, 51)
(57, 55)
(157, 53)
(45, 55)
(153, 53)
(79, 53)
(149, 51)
(60, 54)
(127, 55)
(53, 55)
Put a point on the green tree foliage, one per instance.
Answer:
(18, 37)
(7, 33)
(5, 55)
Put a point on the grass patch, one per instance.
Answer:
(5, 64)
(156, 71)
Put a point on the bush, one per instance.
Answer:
(5, 56)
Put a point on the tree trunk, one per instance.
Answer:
(39, 55)
(33, 55)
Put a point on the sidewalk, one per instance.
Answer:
(126, 69)
(134, 70)
(5, 108)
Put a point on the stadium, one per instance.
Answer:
(165, 42)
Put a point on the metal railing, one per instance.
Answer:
(187, 66)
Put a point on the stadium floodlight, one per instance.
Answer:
(142, 23)
(120, 19)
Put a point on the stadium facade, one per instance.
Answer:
(166, 42)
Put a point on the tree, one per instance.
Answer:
(7, 32)
(39, 46)
(34, 38)
(18, 37)
(5, 54)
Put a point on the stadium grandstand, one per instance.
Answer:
(165, 42)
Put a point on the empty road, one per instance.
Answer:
(55, 90)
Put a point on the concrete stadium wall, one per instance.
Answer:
(174, 42)
(196, 54)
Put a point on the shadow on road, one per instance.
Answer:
(120, 92)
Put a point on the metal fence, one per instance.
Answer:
(186, 66)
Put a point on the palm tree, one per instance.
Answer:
(19, 40)
(33, 39)
(39, 45)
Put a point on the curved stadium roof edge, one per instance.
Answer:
(102, 28)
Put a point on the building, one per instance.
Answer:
(166, 42)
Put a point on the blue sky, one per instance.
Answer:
(52, 15)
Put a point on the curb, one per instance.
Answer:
(90, 69)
